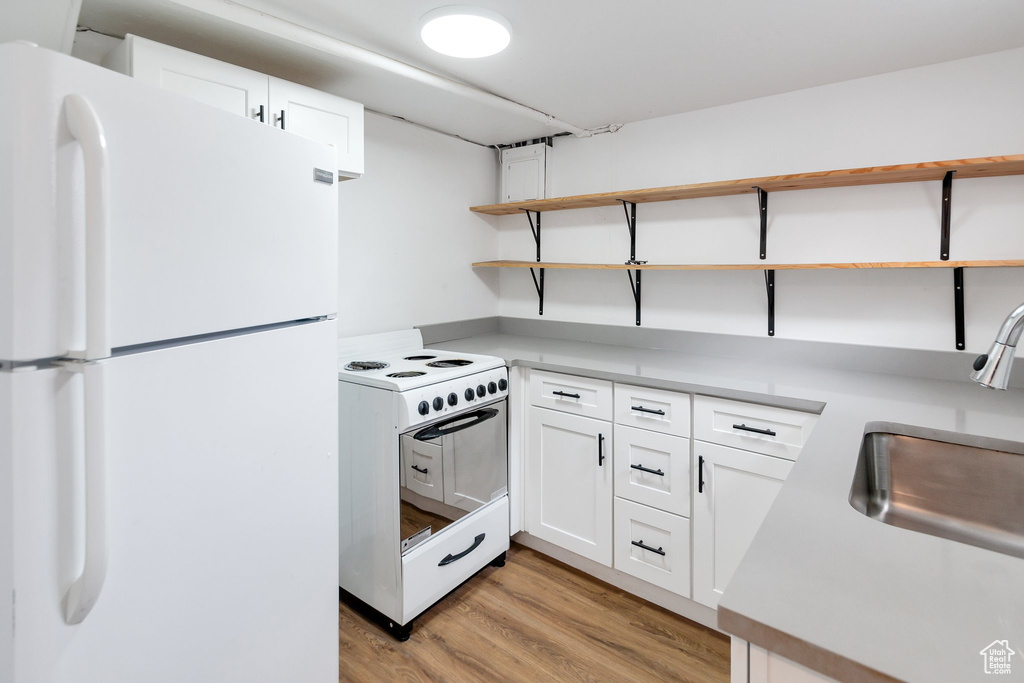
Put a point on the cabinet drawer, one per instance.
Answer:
(762, 429)
(426, 578)
(571, 394)
(653, 469)
(654, 409)
(665, 559)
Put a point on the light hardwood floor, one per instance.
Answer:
(535, 619)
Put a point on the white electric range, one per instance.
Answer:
(423, 472)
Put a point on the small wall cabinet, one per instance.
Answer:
(292, 107)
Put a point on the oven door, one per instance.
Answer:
(454, 466)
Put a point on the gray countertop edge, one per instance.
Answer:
(812, 656)
(801, 404)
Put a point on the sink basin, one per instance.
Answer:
(963, 488)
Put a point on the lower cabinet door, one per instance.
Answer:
(653, 545)
(569, 482)
(732, 492)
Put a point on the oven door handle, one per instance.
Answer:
(437, 430)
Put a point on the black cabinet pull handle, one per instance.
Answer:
(449, 558)
(562, 393)
(281, 119)
(600, 450)
(648, 470)
(421, 471)
(262, 114)
(766, 432)
(700, 474)
(640, 544)
(652, 411)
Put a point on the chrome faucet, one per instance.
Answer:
(992, 369)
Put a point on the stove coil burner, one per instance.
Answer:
(449, 363)
(361, 365)
(419, 357)
(406, 373)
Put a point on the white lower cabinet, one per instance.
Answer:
(569, 482)
(753, 664)
(653, 545)
(732, 492)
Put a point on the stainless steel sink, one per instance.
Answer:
(964, 488)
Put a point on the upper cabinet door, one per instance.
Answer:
(322, 117)
(219, 84)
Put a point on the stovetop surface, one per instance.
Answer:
(413, 369)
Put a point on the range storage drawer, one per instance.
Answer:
(653, 546)
(654, 409)
(653, 469)
(440, 564)
(762, 429)
(571, 394)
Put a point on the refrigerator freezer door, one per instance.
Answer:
(217, 222)
(221, 500)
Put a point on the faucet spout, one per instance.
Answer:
(992, 369)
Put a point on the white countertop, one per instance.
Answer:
(821, 583)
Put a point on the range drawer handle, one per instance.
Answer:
(567, 395)
(449, 558)
(652, 411)
(648, 470)
(640, 544)
(766, 432)
(421, 471)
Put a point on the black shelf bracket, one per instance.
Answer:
(636, 292)
(762, 212)
(538, 277)
(629, 208)
(947, 205)
(958, 307)
(769, 286)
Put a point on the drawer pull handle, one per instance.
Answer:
(420, 470)
(449, 558)
(700, 474)
(648, 470)
(600, 450)
(567, 395)
(652, 411)
(640, 544)
(766, 432)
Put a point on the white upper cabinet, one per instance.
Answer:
(295, 108)
(316, 115)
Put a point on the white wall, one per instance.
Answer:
(959, 109)
(407, 237)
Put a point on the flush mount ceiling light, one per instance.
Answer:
(465, 31)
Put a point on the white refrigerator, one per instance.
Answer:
(168, 391)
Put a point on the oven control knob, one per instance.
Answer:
(438, 403)
(492, 388)
(424, 408)
(502, 384)
(480, 391)
(469, 394)
(452, 399)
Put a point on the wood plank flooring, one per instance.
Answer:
(535, 619)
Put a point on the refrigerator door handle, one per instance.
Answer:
(85, 126)
(83, 593)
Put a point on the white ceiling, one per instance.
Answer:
(590, 63)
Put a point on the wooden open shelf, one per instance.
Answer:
(748, 266)
(877, 175)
